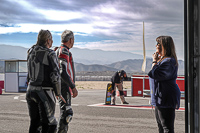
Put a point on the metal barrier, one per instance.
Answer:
(143, 87)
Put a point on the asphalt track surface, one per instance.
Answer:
(90, 115)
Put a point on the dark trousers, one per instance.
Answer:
(41, 110)
(165, 118)
(65, 109)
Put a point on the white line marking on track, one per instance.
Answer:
(16, 97)
(96, 104)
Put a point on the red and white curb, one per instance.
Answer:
(147, 107)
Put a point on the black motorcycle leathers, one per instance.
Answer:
(43, 79)
(67, 72)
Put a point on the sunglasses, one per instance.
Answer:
(158, 44)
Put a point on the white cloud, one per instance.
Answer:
(111, 45)
(57, 15)
(119, 21)
(52, 14)
(27, 28)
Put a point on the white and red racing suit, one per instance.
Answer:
(67, 72)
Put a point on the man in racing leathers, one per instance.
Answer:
(117, 81)
(43, 79)
(67, 72)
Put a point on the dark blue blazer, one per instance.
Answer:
(165, 93)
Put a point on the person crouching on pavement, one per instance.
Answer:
(117, 81)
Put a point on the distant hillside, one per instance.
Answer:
(134, 66)
(84, 56)
(13, 52)
(91, 60)
(130, 66)
(88, 57)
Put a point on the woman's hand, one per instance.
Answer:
(155, 57)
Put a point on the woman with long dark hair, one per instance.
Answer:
(165, 93)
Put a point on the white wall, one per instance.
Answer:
(2, 76)
(11, 82)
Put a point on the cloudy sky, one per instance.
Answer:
(115, 25)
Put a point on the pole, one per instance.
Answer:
(144, 52)
(186, 67)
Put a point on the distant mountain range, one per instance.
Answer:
(130, 66)
(91, 60)
(88, 57)
(8, 52)
(84, 56)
